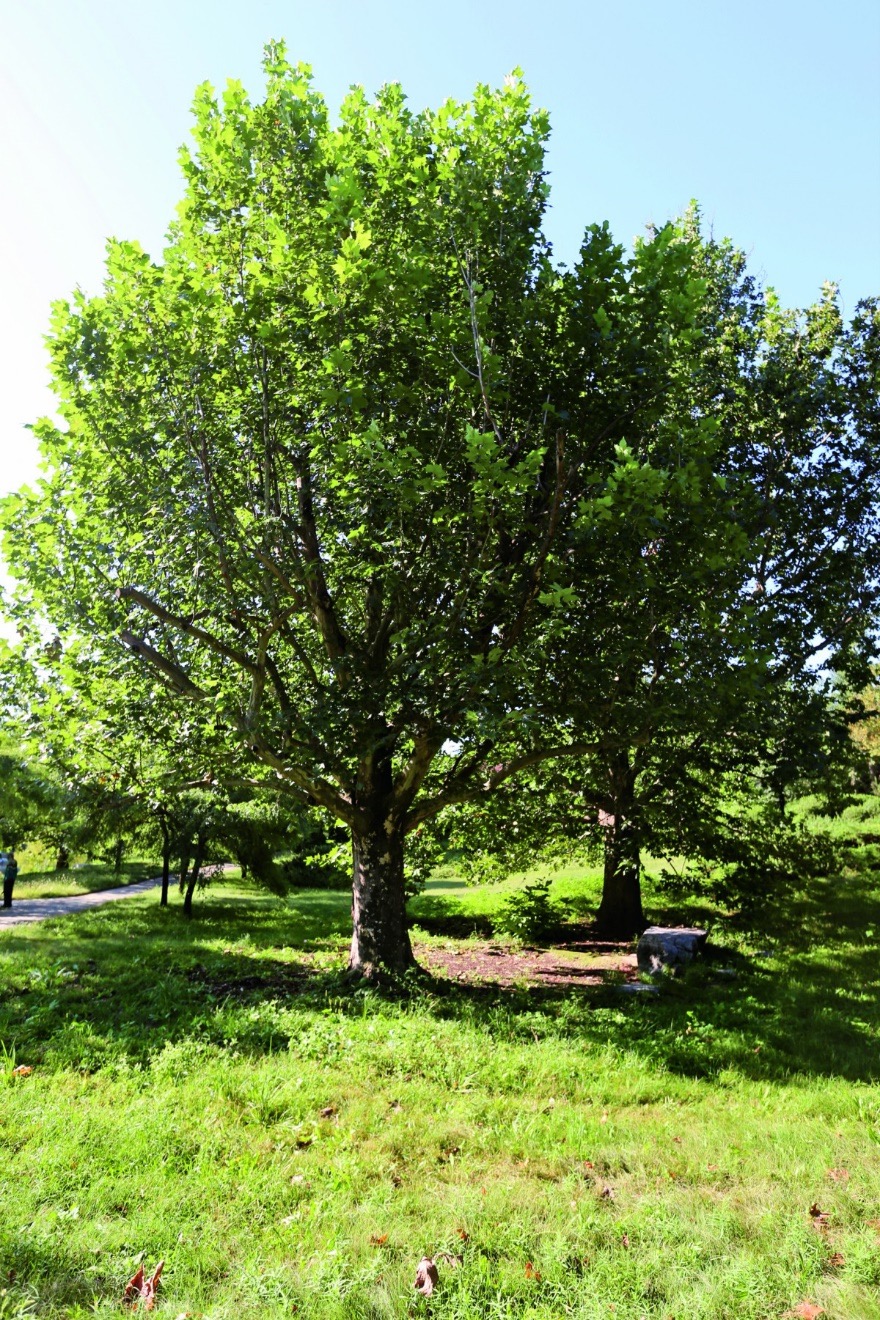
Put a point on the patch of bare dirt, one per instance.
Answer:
(581, 963)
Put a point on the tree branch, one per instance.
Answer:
(186, 626)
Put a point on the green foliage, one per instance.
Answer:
(755, 862)
(528, 913)
(420, 514)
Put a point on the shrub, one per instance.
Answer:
(529, 914)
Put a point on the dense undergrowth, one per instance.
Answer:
(211, 1094)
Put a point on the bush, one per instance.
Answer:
(529, 914)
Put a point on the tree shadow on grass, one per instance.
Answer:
(126, 980)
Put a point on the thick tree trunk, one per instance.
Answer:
(620, 914)
(62, 860)
(118, 853)
(380, 940)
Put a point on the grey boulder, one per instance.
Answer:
(668, 946)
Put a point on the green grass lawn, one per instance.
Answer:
(82, 878)
(212, 1095)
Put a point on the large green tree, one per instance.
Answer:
(338, 469)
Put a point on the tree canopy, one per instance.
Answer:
(394, 508)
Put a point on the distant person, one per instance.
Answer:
(9, 876)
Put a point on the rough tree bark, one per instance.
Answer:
(620, 914)
(62, 861)
(380, 939)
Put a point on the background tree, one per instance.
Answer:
(738, 581)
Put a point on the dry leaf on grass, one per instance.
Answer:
(23, 1070)
(140, 1289)
(835, 1261)
(426, 1276)
(820, 1219)
(378, 1239)
(532, 1273)
(806, 1311)
(624, 1241)
(839, 1175)
(328, 1111)
(463, 1234)
(607, 1193)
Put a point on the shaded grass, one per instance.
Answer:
(181, 1071)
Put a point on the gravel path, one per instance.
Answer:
(39, 909)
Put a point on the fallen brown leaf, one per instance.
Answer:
(378, 1239)
(463, 1234)
(140, 1289)
(426, 1276)
(532, 1273)
(839, 1175)
(624, 1241)
(835, 1261)
(677, 1140)
(450, 1259)
(607, 1193)
(328, 1111)
(23, 1070)
(806, 1311)
(820, 1219)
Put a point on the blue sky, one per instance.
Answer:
(768, 113)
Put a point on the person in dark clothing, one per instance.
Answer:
(9, 879)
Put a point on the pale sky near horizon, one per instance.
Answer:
(767, 112)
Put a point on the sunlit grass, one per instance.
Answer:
(210, 1093)
(81, 878)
